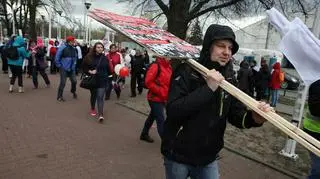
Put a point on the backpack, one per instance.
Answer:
(11, 52)
(281, 76)
(146, 72)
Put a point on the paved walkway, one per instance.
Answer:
(42, 138)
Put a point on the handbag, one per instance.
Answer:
(89, 81)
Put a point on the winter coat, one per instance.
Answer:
(158, 84)
(263, 78)
(19, 42)
(197, 116)
(245, 78)
(275, 79)
(66, 57)
(115, 58)
(137, 64)
(103, 68)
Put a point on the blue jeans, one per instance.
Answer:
(175, 170)
(315, 167)
(97, 95)
(63, 78)
(274, 97)
(156, 113)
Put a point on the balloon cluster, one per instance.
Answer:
(121, 70)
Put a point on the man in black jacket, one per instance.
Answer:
(197, 110)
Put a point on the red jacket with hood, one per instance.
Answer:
(275, 79)
(158, 85)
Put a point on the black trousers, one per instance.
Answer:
(136, 78)
(16, 72)
(35, 76)
(4, 64)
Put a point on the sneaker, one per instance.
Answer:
(100, 120)
(93, 112)
(146, 138)
(60, 99)
(75, 96)
(20, 89)
(10, 88)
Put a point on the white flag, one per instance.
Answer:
(299, 45)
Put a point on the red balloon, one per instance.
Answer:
(124, 71)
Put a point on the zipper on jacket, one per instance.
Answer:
(221, 103)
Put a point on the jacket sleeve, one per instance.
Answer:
(182, 103)
(58, 56)
(110, 64)
(85, 67)
(151, 81)
(239, 116)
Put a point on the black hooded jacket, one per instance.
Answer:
(197, 116)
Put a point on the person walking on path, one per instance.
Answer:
(96, 63)
(245, 78)
(137, 65)
(39, 63)
(16, 63)
(66, 59)
(311, 124)
(115, 58)
(275, 84)
(262, 82)
(157, 81)
(198, 110)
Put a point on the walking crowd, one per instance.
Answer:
(197, 109)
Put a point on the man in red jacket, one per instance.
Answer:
(157, 81)
(275, 84)
(115, 58)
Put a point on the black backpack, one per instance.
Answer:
(145, 72)
(11, 52)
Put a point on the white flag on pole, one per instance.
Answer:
(299, 45)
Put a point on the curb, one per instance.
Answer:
(227, 147)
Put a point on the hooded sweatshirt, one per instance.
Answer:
(19, 42)
(275, 79)
(197, 116)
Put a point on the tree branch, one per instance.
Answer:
(192, 16)
(198, 7)
(162, 6)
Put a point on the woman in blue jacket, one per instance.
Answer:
(15, 64)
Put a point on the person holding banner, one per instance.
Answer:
(198, 109)
(311, 124)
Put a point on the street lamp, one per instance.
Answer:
(58, 26)
(42, 28)
(13, 19)
(87, 5)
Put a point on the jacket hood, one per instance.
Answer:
(244, 64)
(276, 66)
(19, 41)
(51, 42)
(216, 32)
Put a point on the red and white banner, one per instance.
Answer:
(147, 34)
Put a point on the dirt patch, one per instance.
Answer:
(262, 144)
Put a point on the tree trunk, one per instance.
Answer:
(177, 17)
(176, 27)
(32, 22)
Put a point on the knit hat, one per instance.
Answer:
(70, 39)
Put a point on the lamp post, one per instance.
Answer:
(59, 26)
(13, 19)
(42, 26)
(87, 5)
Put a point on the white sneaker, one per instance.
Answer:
(21, 89)
(10, 88)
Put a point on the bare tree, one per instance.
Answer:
(180, 13)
